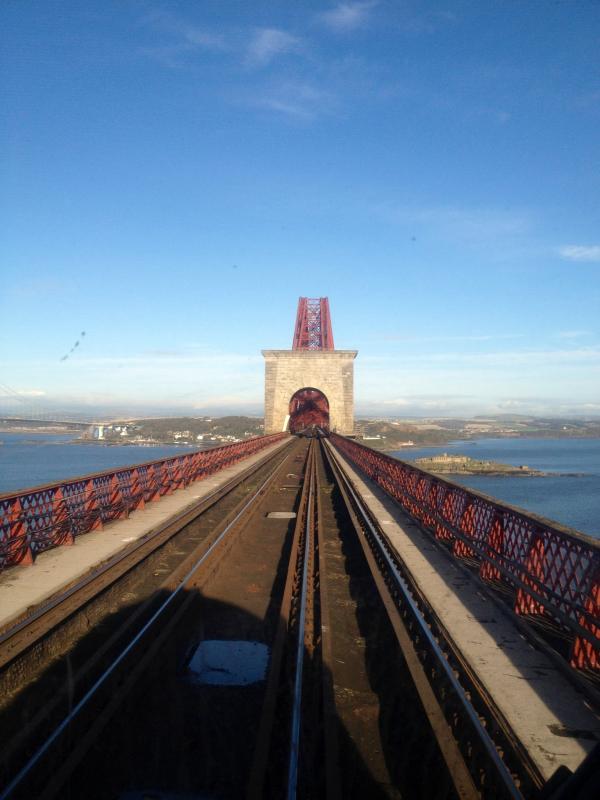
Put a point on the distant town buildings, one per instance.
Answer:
(153, 432)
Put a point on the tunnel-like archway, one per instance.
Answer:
(308, 408)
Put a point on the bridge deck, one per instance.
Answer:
(24, 588)
(545, 711)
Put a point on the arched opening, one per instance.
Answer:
(309, 408)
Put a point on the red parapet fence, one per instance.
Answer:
(37, 519)
(550, 572)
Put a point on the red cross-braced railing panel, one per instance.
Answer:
(550, 573)
(313, 325)
(47, 516)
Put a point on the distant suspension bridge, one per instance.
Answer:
(17, 407)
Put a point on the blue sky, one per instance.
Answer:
(176, 174)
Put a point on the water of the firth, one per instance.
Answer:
(32, 459)
(571, 496)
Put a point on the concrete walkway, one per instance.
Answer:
(547, 713)
(24, 588)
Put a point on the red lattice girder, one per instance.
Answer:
(14, 543)
(42, 517)
(584, 654)
(488, 571)
(468, 526)
(547, 571)
(533, 576)
(313, 325)
(60, 519)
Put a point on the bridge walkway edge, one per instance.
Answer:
(550, 717)
(23, 588)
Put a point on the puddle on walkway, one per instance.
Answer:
(221, 662)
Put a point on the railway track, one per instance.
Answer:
(272, 645)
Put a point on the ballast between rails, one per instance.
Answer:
(551, 573)
(48, 516)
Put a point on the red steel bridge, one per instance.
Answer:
(418, 638)
(313, 329)
(309, 407)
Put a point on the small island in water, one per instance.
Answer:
(464, 465)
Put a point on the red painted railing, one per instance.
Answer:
(550, 571)
(47, 516)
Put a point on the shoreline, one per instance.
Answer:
(503, 474)
(458, 464)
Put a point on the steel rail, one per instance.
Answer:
(330, 724)
(294, 755)
(20, 636)
(43, 749)
(502, 772)
(260, 761)
(562, 578)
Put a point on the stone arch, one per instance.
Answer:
(331, 371)
(308, 408)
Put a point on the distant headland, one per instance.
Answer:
(445, 464)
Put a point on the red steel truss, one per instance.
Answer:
(548, 572)
(313, 325)
(48, 516)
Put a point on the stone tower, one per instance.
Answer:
(311, 384)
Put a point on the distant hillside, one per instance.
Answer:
(391, 434)
(182, 430)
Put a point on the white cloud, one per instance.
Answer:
(433, 407)
(190, 34)
(201, 38)
(474, 225)
(346, 16)
(6, 393)
(580, 252)
(488, 337)
(169, 23)
(185, 379)
(185, 39)
(294, 99)
(572, 334)
(509, 358)
(423, 402)
(268, 43)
